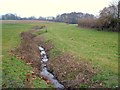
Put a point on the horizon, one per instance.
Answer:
(52, 8)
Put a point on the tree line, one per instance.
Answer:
(71, 18)
(10, 16)
(109, 18)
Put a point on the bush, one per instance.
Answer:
(87, 22)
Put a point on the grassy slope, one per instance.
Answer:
(101, 48)
(14, 70)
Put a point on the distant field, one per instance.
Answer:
(22, 21)
(98, 47)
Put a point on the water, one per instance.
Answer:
(44, 72)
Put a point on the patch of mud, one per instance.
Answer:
(70, 71)
(28, 50)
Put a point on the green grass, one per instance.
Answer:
(14, 70)
(98, 47)
(38, 83)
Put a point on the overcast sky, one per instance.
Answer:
(26, 8)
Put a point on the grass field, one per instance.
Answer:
(99, 48)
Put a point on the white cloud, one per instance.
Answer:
(51, 7)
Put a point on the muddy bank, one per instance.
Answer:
(70, 71)
(28, 48)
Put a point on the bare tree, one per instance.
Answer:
(109, 18)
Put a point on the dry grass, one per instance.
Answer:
(21, 21)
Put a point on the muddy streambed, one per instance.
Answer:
(44, 72)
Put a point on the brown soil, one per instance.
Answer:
(28, 50)
(70, 71)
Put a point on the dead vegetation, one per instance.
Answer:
(22, 21)
(70, 71)
(67, 69)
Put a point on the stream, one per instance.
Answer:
(44, 72)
